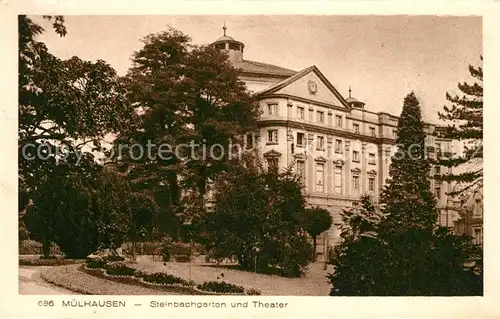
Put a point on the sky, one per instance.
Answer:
(383, 58)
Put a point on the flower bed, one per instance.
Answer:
(119, 269)
(220, 287)
(165, 279)
(123, 274)
(48, 262)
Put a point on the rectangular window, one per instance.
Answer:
(437, 191)
(301, 141)
(437, 170)
(338, 146)
(338, 179)
(477, 235)
(300, 113)
(372, 131)
(338, 120)
(371, 159)
(272, 136)
(249, 140)
(394, 133)
(371, 184)
(321, 117)
(438, 150)
(320, 177)
(272, 164)
(301, 170)
(355, 183)
(320, 143)
(355, 156)
(272, 109)
(355, 127)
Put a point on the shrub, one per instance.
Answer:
(166, 253)
(96, 264)
(32, 247)
(253, 292)
(258, 217)
(119, 270)
(221, 287)
(165, 279)
(112, 258)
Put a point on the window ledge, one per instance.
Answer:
(272, 143)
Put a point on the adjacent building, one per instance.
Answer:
(339, 147)
(470, 222)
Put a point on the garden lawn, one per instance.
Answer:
(71, 278)
(314, 283)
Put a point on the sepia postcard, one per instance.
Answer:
(249, 159)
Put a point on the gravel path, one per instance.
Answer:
(71, 278)
(31, 283)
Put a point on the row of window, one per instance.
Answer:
(272, 110)
(320, 176)
(273, 163)
(272, 137)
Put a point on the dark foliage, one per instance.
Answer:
(398, 249)
(317, 221)
(221, 287)
(258, 218)
(117, 269)
(465, 116)
(164, 279)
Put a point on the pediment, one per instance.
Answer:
(372, 172)
(272, 153)
(309, 84)
(356, 170)
(299, 156)
(339, 162)
(320, 159)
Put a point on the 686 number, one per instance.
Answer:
(46, 303)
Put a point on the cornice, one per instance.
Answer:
(304, 100)
(325, 130)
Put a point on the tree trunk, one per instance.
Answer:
(314, 248)
(45, 247)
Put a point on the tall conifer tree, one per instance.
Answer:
(407, 197)
(465, 118)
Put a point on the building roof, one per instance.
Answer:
(351, 99)
(302, 73)
(224, 38)
(263, 68)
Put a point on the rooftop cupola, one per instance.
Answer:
(353, 102)
(230, 45)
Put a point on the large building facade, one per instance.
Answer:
(339, 148)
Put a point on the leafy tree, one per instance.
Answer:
(67, 104)
(66, 107)
(353, 258)
(258, 218)
(188, 98)
(466, 117)
(405, 252)
(317, 221)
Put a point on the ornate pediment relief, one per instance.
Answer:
(321, 159)
(272, 153)
(372, 172)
